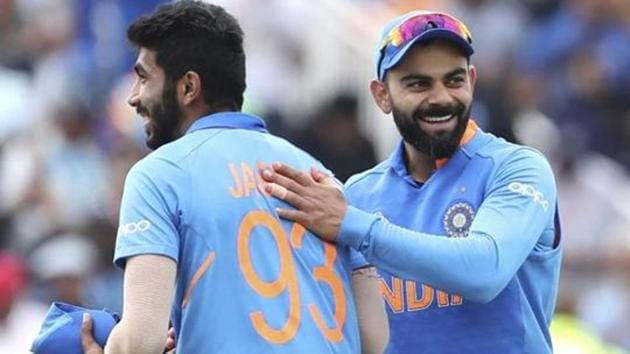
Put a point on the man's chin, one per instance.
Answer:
(153, 142)
(443, 150)
(445, 145)
(151, 145)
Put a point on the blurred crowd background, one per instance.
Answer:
(553, 74)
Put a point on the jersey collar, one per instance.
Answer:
(229, 120)
(469, 134)
(471, 141)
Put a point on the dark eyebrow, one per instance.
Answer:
(416, 77)
(420, 77)
(139, 69)
(456, 72)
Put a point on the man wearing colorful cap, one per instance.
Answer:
(462, 225)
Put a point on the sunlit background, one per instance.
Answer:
(553, 74)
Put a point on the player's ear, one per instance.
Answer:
(472, 75)
(380, 93)
(189, 88)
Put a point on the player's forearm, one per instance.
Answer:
(148, 295)
(473, 267)
(371, 313)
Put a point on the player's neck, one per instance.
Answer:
(194, 112)
(420, 166)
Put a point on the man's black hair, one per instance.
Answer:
(196, 36)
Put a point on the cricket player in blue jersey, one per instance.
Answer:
(199, 239)
(462, 225)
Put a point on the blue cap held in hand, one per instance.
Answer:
(61, 330)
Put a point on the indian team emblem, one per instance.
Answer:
(458, 219)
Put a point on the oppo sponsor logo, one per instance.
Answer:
(529, 191)
(134, 227)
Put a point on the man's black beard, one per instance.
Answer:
(438, 147)
(166, 118)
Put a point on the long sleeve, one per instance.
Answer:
(515, 213)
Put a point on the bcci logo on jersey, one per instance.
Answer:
(458, 219)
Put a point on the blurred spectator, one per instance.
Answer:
(13, 54)
(22, 194)
(580, 51)
(20, 317)
(541, 8)
(497, 28)
(57, 177)
(335, 139)
(5, 231)
(75, 174)
(62, 265)
(104, 288)
(100, 33)
(14, 118)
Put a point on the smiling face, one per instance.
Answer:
(155, 100)
(430, 95)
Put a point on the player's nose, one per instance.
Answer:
(438, 95)
(134, 95)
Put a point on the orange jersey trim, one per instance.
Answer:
(469, 133)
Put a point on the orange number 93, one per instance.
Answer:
(287, 280)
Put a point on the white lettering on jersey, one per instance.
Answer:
(133, 227)
(529, 191)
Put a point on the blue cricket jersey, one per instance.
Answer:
(479, 272)
(247, 282)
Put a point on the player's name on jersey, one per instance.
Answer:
(247, 180)
(407, 295)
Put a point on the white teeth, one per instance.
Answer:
(438, 119)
